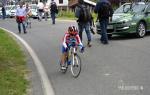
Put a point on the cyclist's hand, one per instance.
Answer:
(82, 50)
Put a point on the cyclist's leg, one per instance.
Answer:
(63, 56)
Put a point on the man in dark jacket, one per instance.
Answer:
(81, 23)
(53, 10)
(3, 12)
(105, 11)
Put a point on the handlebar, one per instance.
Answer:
(73, 43)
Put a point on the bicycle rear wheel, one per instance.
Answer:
(76, 65)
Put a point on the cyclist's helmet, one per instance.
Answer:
(72, 30)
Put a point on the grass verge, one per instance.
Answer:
(12, 67)
(69, 15)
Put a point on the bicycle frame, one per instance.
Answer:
(72, 52)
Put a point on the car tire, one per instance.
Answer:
(141, 30)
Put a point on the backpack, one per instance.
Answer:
(84, 14)
(104, 11)
(54, 8)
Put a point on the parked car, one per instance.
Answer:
(13, 11)
(129, 18)
(0, 12)
(8, 8)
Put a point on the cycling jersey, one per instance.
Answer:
(66, 40)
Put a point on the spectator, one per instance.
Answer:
(46, 11)
(53, 10)
(20, 17)
(3, 12)
(82, 22)
(104, 10)
(40, 10)
(28, 15)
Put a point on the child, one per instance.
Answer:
(71, 33)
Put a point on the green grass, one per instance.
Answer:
(66, 14)
(12, 67)
(71, 15)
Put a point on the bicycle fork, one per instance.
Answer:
(73, 56)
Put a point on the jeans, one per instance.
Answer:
(53, 16)
(103, 25)
(45, 15)
(85, 26)
(40, 15)
(3, 15)
(23, 25)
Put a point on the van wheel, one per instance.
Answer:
(141, 30)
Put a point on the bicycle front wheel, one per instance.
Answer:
(76, 65)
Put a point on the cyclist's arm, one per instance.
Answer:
(79, 41)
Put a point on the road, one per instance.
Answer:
(120, 68)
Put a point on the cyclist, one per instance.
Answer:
(72, 33)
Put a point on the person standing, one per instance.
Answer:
(53, 10)
(40, 10)
(3, 12)
(46, 9)
(28, 16)
(105, 11)
(84, 18)
(20, 17)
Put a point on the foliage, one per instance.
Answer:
(66, 14)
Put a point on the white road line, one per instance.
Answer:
(47, 87)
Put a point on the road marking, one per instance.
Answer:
(47, 87)
(107, 74)
(130, 87)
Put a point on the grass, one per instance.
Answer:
(71, 15)
(12, 67)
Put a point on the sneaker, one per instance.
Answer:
(25, 32)
(89, 44)
(63, 67)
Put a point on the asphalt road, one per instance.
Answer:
(120, 68)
